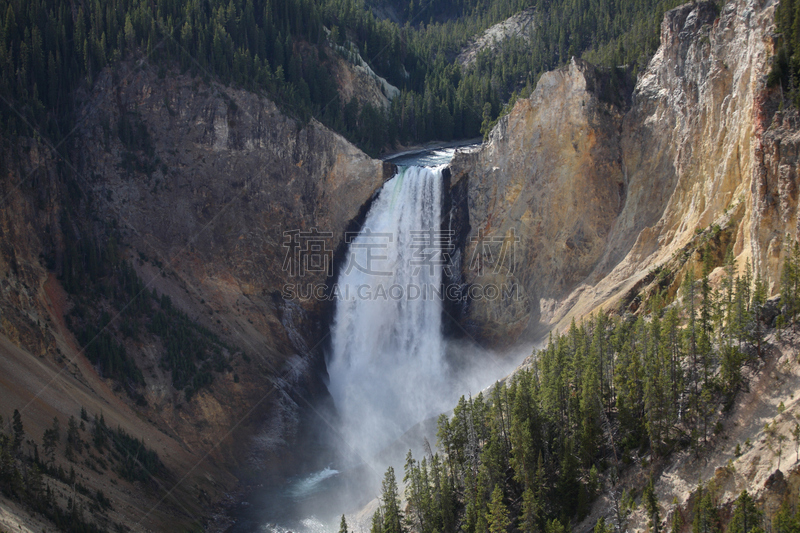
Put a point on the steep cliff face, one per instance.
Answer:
(30, 214)
(691, 133)
(203, 185)
(212, 201)
(689, 152)
(550, 177)
(228, 175)
(774, 187)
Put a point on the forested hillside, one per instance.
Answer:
(539, 448)
(50, 48)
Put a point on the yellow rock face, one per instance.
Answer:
(551, 175)
(600, 190)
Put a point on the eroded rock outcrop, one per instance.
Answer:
(599, 198)
(520, 25)
(551, 177)
(775, 189)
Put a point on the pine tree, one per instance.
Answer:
(34, 483)
(706, 516)
(73, 436)
(591, 404)
(674, 357)
(443, 502)
(628, 381)
(99, 432)
(377, 521)
(497, 517)
(390, 501)
(691, 336)
(555, 526)
(19, 431)
(790, 281)
(602, 527)
(677, 521)
(530, 517)
(418, 494)
(343, 526)
(757, 307)
(523, 430)
(651, 506)
(731, 360)
(51, 438)
(786, 521)
(704, 344)
(569, 486)
(746, 516)
(656, 387)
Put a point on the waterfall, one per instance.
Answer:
(386, 365)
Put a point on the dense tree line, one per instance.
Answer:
(745, 516)
(48, 48)
(786, 61)
(108, 355)
(28, 478)
(136, 462)
(790, 285)
(113, 306)
(470, 12)
(786, 521)
(191, 352)
(460, 102)
(531, 455)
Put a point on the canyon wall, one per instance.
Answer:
(549, 176)
(601, 190)
(230, 178)
(202, 185)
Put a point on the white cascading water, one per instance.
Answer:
(386, 367)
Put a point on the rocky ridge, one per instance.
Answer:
(519, 25)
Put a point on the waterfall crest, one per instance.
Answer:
(386, 366)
